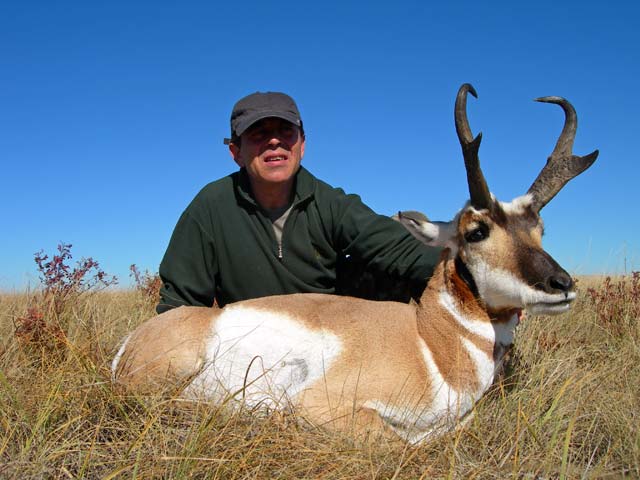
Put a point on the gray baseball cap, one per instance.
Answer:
(259, 105)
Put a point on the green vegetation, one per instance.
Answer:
(567, 406)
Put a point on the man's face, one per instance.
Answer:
(271, 150)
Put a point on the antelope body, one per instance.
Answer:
(414, 370)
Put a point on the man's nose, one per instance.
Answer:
(274, 139)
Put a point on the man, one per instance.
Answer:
(273, 228)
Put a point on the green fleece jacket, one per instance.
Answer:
(224, 247)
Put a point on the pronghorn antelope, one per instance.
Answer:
(412, 369)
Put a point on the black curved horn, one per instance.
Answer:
(562, 165)
(478, 189)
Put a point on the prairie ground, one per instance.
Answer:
(568, 405)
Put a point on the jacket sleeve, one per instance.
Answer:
(188, 268)
(381, 243)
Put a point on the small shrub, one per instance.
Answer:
(146, 283)
(33, 329)
(43, 325)
(617, 302)
(61, 282)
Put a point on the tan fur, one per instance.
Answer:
(443, 335)
(166, 349)
(380, 355)
(506, 240)
(380, 360)
(377, 363)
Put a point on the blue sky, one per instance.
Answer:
(112, 114)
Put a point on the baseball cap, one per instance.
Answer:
(259, 105)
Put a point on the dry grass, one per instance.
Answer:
(568, 407)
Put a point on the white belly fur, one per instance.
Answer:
(262, 358)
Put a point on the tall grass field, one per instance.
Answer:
(567, 405)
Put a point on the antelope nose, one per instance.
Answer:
(561, 281)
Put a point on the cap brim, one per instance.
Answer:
(290, 117)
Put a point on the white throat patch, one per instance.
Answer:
(481, 328)
(501, 289)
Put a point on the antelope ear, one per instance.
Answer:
(437, 234)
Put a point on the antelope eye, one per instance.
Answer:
(477, 234)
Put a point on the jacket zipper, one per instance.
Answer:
(284, 227)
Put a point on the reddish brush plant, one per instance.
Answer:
(60, 281)
(61, 284)
(617, 302)
(33, 329)
(146, 283)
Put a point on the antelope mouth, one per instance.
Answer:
(552, 307)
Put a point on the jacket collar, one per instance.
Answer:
(304, 186)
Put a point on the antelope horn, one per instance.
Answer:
(478, 189)
(562, 165)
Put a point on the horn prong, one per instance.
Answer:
(562, 165)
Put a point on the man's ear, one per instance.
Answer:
(234, 150)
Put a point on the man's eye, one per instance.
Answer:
(257, 135)
(287, 131)
(261, 134)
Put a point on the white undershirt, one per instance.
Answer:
(278, 217)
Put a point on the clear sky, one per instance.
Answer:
(112, 114)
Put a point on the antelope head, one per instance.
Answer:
(497, 246)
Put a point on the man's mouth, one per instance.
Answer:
(278, 158)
